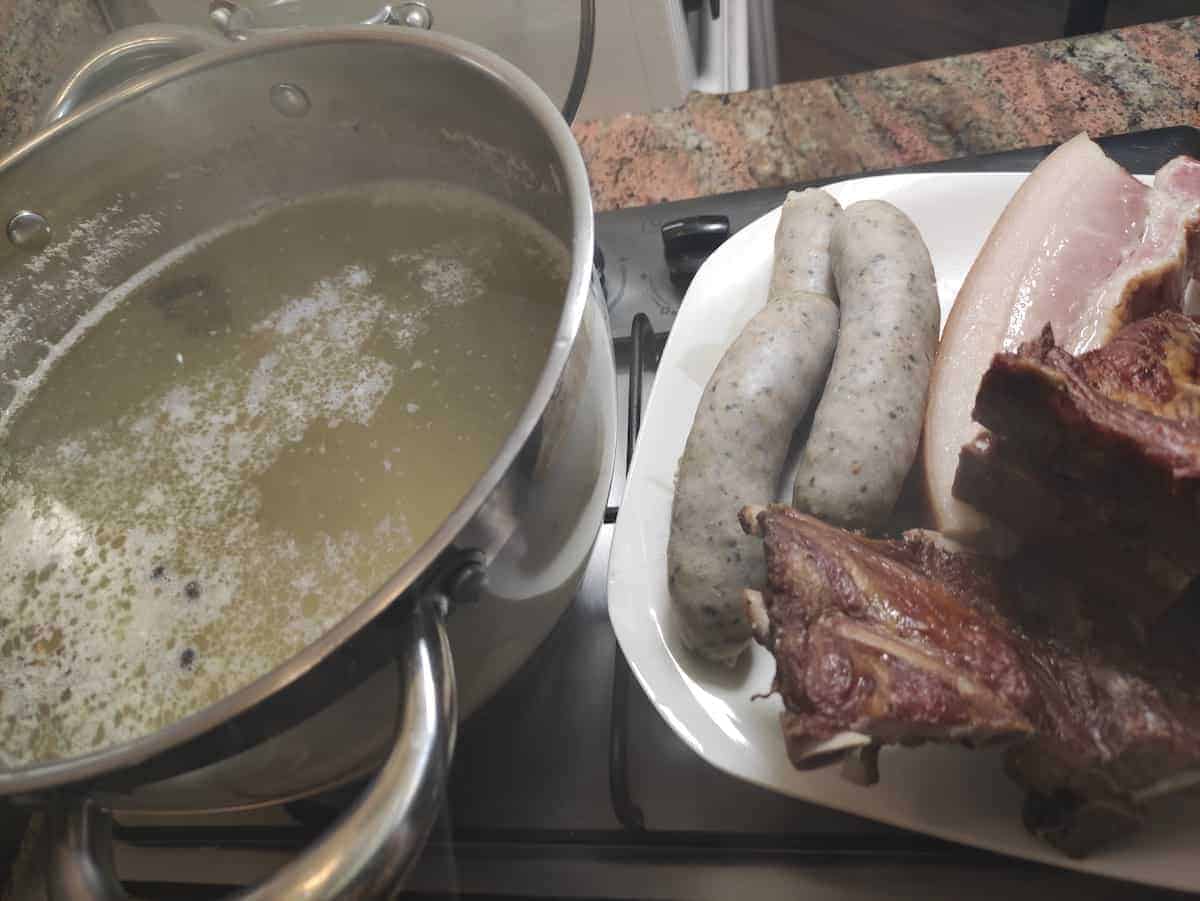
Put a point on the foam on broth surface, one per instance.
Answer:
(247, 442)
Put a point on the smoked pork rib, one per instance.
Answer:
(1098, 457)
(898, 640)
(910, 640)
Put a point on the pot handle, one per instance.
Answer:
(140, 49)
(233, 20)
(370, 851)
(127, 54)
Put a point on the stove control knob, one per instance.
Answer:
(688, 242)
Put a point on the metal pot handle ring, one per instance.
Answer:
(140, 49)
(371, 849)
(127, 54)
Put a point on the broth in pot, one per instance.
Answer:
(245, 441)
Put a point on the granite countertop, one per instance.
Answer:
(40, 40)
(1136, 78)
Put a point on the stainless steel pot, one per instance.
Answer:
(201, 142)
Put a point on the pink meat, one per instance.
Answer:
(1071, 251)
(1181, 178)
(1083, 246)
(1155, 275)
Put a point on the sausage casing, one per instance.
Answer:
(868, 423)
(763, 386)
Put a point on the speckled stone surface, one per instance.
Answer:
(39, 40)
(1137, 78)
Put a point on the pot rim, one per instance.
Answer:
(40, 777)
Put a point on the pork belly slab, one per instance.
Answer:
(911, 640)
(1082, 247)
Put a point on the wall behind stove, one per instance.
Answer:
(823, 38)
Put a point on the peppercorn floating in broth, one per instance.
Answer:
(252, 437)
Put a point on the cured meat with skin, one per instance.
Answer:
(1181, 178)
(1096, 458)
(1154, 275)
(1083, 247)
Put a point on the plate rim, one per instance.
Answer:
(624, 619)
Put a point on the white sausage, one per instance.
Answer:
(764, 385)
(868, 423)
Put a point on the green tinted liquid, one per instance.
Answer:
(248, 444)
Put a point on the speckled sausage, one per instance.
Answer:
(802, 241)
(868, 423)
(761, 389)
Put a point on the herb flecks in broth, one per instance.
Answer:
(248, 444)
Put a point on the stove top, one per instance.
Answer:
(569, 784)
